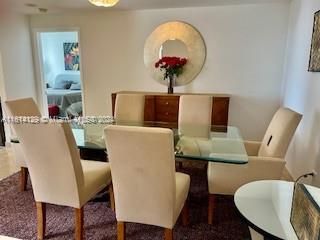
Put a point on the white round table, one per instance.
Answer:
(266, 205)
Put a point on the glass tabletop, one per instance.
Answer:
(196, 142)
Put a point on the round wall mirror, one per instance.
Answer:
(173, 48)
(175, 39)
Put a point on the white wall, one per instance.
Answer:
(16, 77)
(2, 83)
(301, 91)
(2, 91)
(53, 55)
(17, 61)
(245, 53)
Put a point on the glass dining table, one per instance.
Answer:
(192, 142)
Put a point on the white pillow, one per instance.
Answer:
(75, 86)
(62, 84)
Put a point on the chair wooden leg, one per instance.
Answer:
(121, 231)
(168, 234)
(79, 223)
(41, 220)
(185, 214)
(111, 196)
(211, 201)
(23, 178)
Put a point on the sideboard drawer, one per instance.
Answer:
(168, 102)
(167, 108)
(166, 116)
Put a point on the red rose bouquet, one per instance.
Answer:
(173, 66)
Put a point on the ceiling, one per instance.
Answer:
(58, 6)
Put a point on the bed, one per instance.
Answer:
(62, 96)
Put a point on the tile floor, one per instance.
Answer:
(7, 163)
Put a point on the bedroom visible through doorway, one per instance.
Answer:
(60, 73)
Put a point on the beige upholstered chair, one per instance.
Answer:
(147, 189)
(20, 162)
(194, 118)
(129, 108)
(57, 174)
(266, 158)
(195, 115)
(21, 107)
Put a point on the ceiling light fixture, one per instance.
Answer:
(104, 3)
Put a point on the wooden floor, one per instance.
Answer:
(7, 163)
(8, 166)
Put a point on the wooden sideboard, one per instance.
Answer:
(162, 107)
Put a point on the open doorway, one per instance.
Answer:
(60, 73)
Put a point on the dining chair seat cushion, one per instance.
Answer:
(188, 146)
(97, 176)
(182, 189)
(195, 146)
(252, 147)
(227, 178)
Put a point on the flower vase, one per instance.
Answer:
(171, 83)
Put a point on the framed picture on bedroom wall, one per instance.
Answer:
(314, 62)
(71, 56)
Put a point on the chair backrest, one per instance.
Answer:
(143, 174)
(279, 133)
(129, 108)
(22, 107)
(195, 115)
(53, 162)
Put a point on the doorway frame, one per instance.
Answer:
(4, 130)
(38, 66)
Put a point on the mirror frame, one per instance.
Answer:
(184, 32)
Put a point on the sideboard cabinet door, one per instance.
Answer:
(149, 108)
(220, 110)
